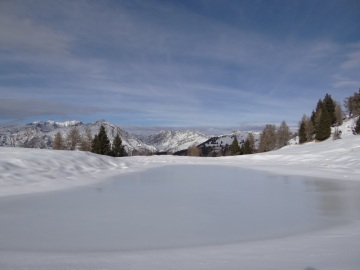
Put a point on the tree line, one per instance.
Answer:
(99, 144)
(327, 114)
(317, 126)
(271, 138)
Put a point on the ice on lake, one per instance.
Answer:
(175, 206)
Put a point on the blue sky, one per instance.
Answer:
(179, 63)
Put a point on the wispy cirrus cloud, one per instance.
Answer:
(166, 62)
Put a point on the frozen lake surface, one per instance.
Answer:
(175, 207)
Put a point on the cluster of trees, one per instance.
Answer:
(327, 114)
(272, 138)
(245, 148)
(352, 105)
(100, 144)
(73, 140)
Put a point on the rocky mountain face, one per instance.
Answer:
(41, 134)
(173, 141)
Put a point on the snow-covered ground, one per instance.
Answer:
(25, 171)
(34, 170)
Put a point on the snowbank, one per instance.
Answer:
(34, 170)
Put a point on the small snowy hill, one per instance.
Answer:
(173, 141)
(40, 134)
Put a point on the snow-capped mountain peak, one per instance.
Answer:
(59, 124)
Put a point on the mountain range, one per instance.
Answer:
(40, 134)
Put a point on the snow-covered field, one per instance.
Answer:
(30, 171)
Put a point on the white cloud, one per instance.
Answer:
(161, 62)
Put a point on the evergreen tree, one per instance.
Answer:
(58, 143)
(246, 148)
(329, 106)
(117, 149)
(316, 115)
(101, 143)
(324, 127)
(251, 140)
(234, 147)
(302, 132)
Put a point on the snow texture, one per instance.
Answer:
(35, 171)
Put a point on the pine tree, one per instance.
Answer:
(101, 143)
(117, 149)
(58, 143)
(329, 106)
(246, 148)
(251, 140)
(234, 147)
(324, 127)
(316, 115)
(302, 132)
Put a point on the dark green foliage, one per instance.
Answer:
(101, 144)
(357, 127)
(315, 117)
(302, 133)
(117, 147)
(234, 147)
(329, 106)
(324, 128)
(246, 149)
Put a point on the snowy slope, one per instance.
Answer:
(173, 141)
(29, 170)
(24, 171)
(40, 134)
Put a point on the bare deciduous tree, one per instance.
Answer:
(73, 138)
(282, 135)
(193, 151)
(58, 143)
(352, 104)
(86, 139)
(268, 138)
(339, 114)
